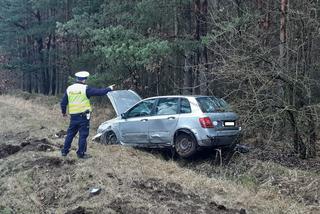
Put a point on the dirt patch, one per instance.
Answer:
(45, 162)
(164, 192)
(41, 162)
(125, 206)
(79, 210)
(177, 200)
(47, 178)
(7, 150)
(41, 145)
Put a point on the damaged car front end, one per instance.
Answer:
(121, 100)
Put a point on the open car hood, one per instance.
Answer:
(122, 100)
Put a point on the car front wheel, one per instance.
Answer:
(109, 138)
(113, 139)
(185, 145)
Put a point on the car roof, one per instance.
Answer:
(177, 96)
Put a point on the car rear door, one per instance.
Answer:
(134, 128)
(164, 120)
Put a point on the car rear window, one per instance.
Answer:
(212, 104)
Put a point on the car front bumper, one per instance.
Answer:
(96, 137)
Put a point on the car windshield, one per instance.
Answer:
(212, 104)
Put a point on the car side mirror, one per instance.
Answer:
(124, 116)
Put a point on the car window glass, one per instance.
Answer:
(142, 109)
(212, 104)
(185, 106)
(167, 106)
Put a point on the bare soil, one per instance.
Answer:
(41, 145)
(6, 150)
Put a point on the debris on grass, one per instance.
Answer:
(60, 134)
(95, 191)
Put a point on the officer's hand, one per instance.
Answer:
(64, 115)
(112, 87)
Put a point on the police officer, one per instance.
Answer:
(77, 98)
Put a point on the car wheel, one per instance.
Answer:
(109, 138)
(112, 139)
(185, 145)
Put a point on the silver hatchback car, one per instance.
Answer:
(186, 123)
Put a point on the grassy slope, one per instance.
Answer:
(131, 180)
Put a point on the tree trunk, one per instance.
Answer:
(188, 70)
(54, 66)
(204, 51)
(299, 146)
(188, 61)
(283, 33)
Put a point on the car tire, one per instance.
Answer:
(113, 138)
(185, 145)
(109, 138)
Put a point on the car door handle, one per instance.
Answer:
(144, 120)
(171, 118)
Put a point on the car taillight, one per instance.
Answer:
(206, 122)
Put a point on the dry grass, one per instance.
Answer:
(29, 183)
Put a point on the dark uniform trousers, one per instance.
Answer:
(78, 122)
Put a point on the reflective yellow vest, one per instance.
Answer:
(78, 101)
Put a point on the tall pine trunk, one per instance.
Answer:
(189, 55)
